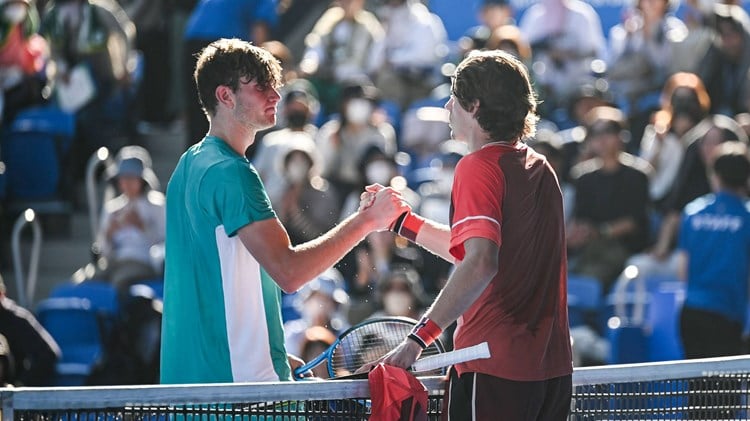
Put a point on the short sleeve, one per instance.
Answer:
(236, 196)
(476, 203)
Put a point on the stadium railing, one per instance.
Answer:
(708, 389)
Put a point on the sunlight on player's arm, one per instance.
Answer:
(293, 266)
(435, 237)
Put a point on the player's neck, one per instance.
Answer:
(237, 136)
(490, 142)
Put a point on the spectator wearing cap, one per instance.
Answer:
(132, 228)
(29, 354)
(298, 110)
(342, 142)
(610, 216)
(322, 302)
(724, 68)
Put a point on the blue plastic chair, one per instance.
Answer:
(76, 327)
(101, 295)
(584, 299)
(33, 148)
(663, 319)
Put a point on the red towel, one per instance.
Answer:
(396, 395)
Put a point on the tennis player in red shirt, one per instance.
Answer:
(507, 241)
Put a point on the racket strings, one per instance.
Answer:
(368, 343)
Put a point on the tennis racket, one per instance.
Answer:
(364, 343)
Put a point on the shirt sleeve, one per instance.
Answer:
(236, 196)
(476, 202)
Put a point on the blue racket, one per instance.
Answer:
(365, 343)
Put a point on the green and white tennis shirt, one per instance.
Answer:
(222, 319)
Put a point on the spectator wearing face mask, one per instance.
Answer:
(324, 303)
(343, 141)
(400, 293)
(298, 110)
(308, 205)
(372, 258)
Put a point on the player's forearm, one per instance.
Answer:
(315, 256)
(436, 239)
(464, 287)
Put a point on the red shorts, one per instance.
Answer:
(479, 397)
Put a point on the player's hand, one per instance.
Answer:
(295, 361)
(404, 355)
(367, 197)
(387, 205)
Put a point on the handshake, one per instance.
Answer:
(390, 210)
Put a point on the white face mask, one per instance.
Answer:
(297, 173)
(379, 172)
(397, 303)
(15, 13)
(358, 111)
(297, 168)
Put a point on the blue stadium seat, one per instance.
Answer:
(77, 328)
(663, 319)
(101, 295)
(584, 299)
(33, 148)
(650, 307)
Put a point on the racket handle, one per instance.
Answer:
(471, 353)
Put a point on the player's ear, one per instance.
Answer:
(224, 95)
(474, 107)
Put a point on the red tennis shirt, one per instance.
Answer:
(509, 194)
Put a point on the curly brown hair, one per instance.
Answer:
(226, 62)
(499, 85)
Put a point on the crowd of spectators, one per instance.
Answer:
(631, 117)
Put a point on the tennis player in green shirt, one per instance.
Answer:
(227, 255)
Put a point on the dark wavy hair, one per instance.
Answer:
(499, 85)
(228, 61)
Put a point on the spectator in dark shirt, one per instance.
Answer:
(33, 351)
(726, 63)
(610, 220)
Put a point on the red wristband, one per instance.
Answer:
(408, 225)
(425, 331)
